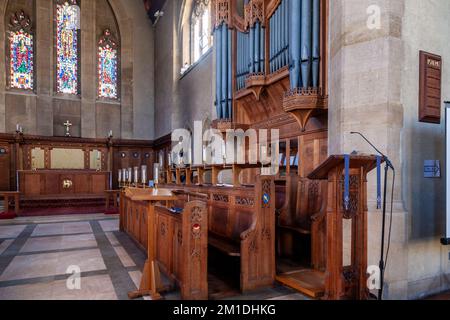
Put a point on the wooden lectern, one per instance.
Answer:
(346, 266)
(150, 281)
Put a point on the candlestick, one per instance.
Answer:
(156, 173)
(130, 175)
(136, 175)
(144, 175)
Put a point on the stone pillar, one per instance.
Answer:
(3, 4)
(365, 96)
(45, 64)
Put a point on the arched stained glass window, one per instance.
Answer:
(108, 62)
(201, 29)
(21, 52)
(67, 46)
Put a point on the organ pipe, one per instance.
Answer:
(257, 47)
(262, 51)
(252, 48)
(224, 70)
(218, 45)
(285, 4)
(224, 88)
(316, 43)
(229, 73)
(294, 42)
(306, 33)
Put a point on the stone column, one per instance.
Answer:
(3, 4)
(365, 96)
(44, 64)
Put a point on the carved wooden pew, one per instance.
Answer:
(181, 242)
(242, 224)
(303, 214)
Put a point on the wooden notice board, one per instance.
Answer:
(430, 88)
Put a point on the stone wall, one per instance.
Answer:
(43, 112)
(180, 99)
(374, 89)
(425, 27)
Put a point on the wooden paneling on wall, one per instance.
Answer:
(115, 154)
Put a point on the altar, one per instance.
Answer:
(63, 184)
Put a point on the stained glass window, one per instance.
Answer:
(21, 52)
(67, 25)
(201, 29)
(108, 66)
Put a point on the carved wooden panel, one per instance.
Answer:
(5, 163)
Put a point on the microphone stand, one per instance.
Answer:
(388, 164)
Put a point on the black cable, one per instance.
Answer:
(390, 225)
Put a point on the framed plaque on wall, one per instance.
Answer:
(430, 88)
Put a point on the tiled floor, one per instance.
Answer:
(40, 259)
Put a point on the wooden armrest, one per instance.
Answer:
(246, 233)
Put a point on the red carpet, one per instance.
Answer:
(34, 212)
(7, 215)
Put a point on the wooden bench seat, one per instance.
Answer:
(225, 245)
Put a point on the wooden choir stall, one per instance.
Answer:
(242, 226)
(175, 241)
(338, 233)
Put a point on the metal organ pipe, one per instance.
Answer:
(278, 32)
(306, 54)
(316, 43)
(294, 42)
(257, 46)
(262, 50)
(252, 49)
(272, 69)
(218, 40)
(285, 4)
(224, 69)
(230, 76)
